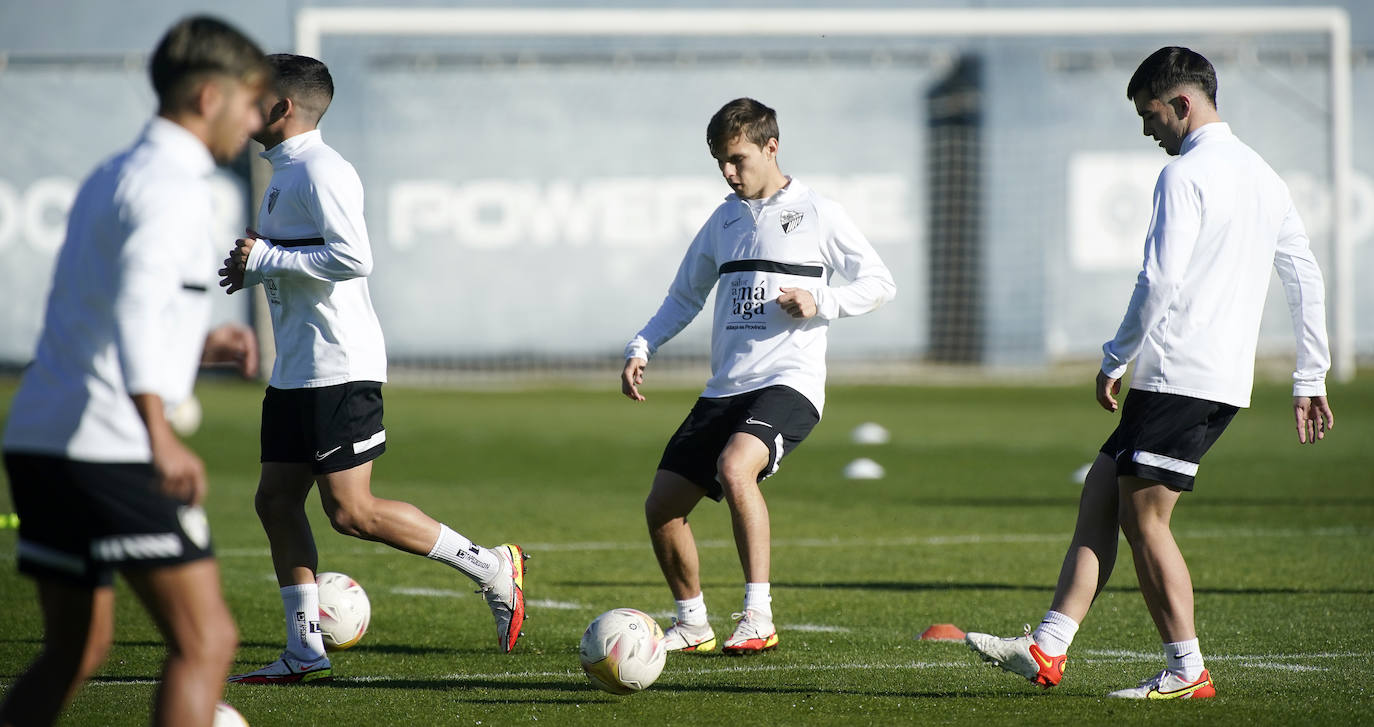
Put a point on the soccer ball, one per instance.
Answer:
(227, 716)
(344, 610)
(622, 651)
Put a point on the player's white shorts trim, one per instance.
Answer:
(1163, 462)
(369, 443)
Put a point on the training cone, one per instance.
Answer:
(943, 632)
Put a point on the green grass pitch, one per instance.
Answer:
(968, 527)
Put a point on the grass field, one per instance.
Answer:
(968, 527)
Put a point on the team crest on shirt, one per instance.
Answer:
(790, 220)
(272, 199)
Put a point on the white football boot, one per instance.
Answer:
(506, 596)
(1167, 685)
(1019, 655)
(753, 633)
(687, 638)
(287, 669)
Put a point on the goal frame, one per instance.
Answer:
(314, 23)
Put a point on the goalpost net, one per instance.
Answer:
(533, 176)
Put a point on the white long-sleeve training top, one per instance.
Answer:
(129, 306)
(313, 265)
(1222, 219)
(794, 239)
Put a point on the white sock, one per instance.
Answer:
(756, 598)
(478, 563)
(1184, 659)
(302, 606)
(692, 611)
(1055, 633)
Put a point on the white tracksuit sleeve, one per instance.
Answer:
(695, 277)
(149, 278)
(1303, 286)
(336, 204)
(847, 251)
(1173, 234)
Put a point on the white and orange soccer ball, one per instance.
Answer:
(622, 651)
(344, 610)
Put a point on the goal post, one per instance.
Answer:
(316, 25)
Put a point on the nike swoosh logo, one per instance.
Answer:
(752, 420)
(731, 222)
(319, 456)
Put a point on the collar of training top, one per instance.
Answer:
(789, 191)
(184, 146)
(1207, 132)
(292, 147)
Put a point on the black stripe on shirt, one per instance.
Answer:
(303, 242)
(194, 287)
(768, 266)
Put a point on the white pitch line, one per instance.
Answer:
(434, 592)
(445, 593)
(556, 605)
(815, 628)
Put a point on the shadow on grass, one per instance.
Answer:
(576, 690)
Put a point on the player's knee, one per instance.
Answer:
(351, 519)
(659, 511)
(737, 476)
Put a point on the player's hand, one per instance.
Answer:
(797, 302)
(181, 474)
(1314, 418)
(632, 377)
(237, 263)
(1107, 389)
(233, 344)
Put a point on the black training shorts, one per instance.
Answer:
(79, 522)
(1162, 437)
(332, 428)
(778, 415)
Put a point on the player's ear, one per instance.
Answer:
(1183, 105)
(209, 97)
(771, 148)
(280, 110)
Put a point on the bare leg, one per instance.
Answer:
(186, 603)
(670, 500)
(739, 465)
(78, 627)
(353, 510)
(1092, 552)
(1146, 508)
(280, 503)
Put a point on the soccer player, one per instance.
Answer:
(770, 250)
(1222, 218)
(100, 481)
(322, 414)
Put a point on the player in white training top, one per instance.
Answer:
(771, 251)
(100, 481)
(322, 414)
(1222, 220)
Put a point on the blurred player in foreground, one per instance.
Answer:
(322, 414)
(1222, 220)
(100, 481)
(770, 251)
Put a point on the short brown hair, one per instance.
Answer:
(197, 48)
(756, 122)
(1170, 67)
(304, 80)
